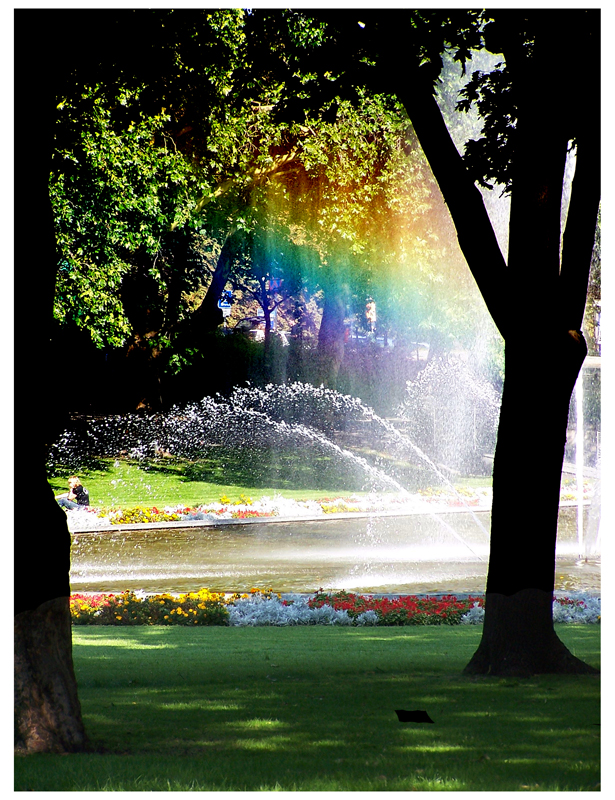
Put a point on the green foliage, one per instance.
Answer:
(342, 174)
(277, 124)
(116, 189)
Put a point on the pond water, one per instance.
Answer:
(419, 553)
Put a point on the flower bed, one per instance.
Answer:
(138, 514)
(339, 506)
(461, 496)
(430, 500)
(195, 608)
(409, 610)
(241, 510)
(264, 607)
(245, 508)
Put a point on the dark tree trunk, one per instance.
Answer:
(142, 383)
(518, 636)
(47, 708)
(208, 317)
(144, 309)
(264, 303)
(519, 640)
(47, 714)
(330, 353)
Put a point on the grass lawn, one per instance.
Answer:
(313, 709)
(128, 483)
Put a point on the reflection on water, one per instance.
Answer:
(412, 554)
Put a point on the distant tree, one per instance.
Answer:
(594, 293)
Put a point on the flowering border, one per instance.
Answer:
(178, 513)
(265, 607)
(408, 610)
(430, 500)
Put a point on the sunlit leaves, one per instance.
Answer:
(115, 190)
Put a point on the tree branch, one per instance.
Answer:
(580, 232)
(258, 175)
(475, 233)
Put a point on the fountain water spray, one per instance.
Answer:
(579, 458)
(246, 419)
(419, 547)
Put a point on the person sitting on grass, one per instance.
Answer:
(76, 497)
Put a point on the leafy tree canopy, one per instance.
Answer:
(213, 143)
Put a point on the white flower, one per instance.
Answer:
(271, 611)
(367, 618)
(589, 612)
(562, 612)
(475, 616)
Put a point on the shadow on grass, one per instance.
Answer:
(314, 709)
(268, 470)
(274, 469)
(85, 464)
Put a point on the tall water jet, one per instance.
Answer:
(587, 461)
(579, 460)
(452, 414)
